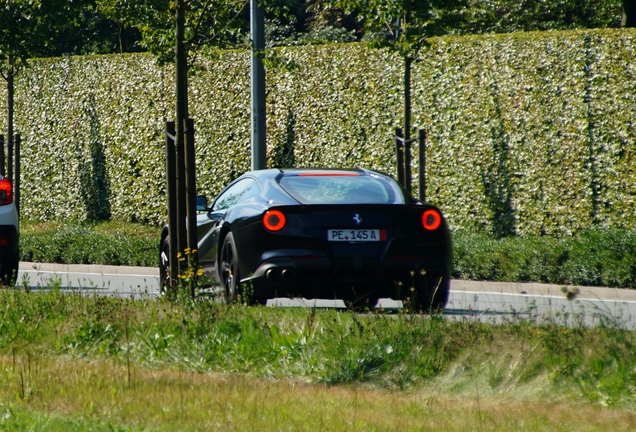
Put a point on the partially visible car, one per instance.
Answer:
(9, 233)
(350, 234)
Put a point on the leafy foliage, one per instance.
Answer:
(206, 22)
(527, 133)
(503, 16)
(29, 28)
(594, 257)
(406, 25)
(104, 243)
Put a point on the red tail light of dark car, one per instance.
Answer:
(6, 193)
(274, 220)
(431, 220)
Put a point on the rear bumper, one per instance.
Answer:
(9, 235)
(8, 241)
(306, 274)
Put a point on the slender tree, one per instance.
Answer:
(174, 30)
(29, 29)
(405, 27)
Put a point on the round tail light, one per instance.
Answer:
(6, 192)
(274, 220)
(431, 220)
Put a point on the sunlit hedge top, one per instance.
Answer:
(528, 132)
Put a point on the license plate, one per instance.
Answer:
(356, 235)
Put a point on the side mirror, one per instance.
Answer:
(202, 203)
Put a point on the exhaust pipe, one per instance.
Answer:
(286, 273)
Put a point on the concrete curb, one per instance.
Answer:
(544, 290)
(90, 269)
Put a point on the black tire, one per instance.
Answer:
(9, 269)
(164, 266)
(363, 303)
(360, 299)
(229, 270)
(433, 293)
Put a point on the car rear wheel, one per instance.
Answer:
(9, 268)
(229, 270)
(360, 300)
(432, 294)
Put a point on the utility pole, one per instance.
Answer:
(257, 26)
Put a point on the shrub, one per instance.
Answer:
(528, 133)
(604, 257)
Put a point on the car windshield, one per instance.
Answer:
(341, 188)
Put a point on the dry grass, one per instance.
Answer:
(98, 393)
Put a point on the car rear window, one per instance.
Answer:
(349, 188)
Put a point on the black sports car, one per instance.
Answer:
(350, 234)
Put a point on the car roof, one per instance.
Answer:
(272, 173)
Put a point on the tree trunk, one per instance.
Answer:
(408, 62)
(181, 112)
(257, 29)
(184, 151)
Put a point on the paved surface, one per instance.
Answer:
(40, 272)
(108, 280)
(545, 290)
(485, 301)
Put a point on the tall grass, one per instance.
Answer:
(320, 346)
(93, 395)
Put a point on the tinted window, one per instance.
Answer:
(232, 195)
(342, 189)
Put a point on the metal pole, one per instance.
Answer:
(171, 192)
(399, 147)
(422, 150)
(16, 181)
(257, 24)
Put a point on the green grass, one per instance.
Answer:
(99, 363)
(73, 362)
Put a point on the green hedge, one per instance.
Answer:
(105, 243)
(529, 133)
(594, 257)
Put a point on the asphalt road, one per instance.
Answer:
(469, 300)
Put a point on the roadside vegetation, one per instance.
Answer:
(99, 363)
(107, 243)
(595, 257)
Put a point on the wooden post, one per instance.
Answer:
(399, 147)
(171, 192)
(422, 179)
(16, 180)
(191, 199)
